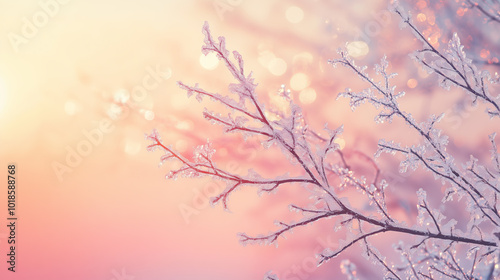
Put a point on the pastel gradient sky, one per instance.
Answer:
(110, 214)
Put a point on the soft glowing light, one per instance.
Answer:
(115, 111)
(299, 81)
(421, 17)
(121, 96)
(209, 61)
(421, 4)
(303, 59)
(184, 125)
(484, 53)
(434, 39)
(277, 66)
(294, 14)
(357, 48)
(132, 147)
(431, 19)
(340, 142)
(149, 115)
(166, 74)
(70, 107)
(307, 96)
(265, 57)
(271, 116)
(461, 12)
(412, 83)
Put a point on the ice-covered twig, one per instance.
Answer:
(312, 151)
(488, 8)
(432, 152)
(453, 66)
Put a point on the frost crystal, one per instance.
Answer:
(436, 247)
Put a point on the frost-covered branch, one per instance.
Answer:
(432, 152)
(453, 66)
(326, 171)
(478, 184)
(489, 8)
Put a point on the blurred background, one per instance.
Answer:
(81, 82)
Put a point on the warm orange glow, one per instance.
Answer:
(431, 19)
(421, 4)
(412, 83)
(461, 11)
(484, 53)
(434, 39)
(421, 17)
